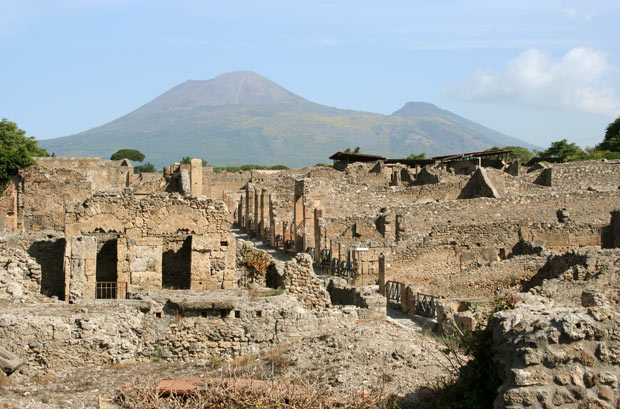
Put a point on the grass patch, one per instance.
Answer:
(271, 292)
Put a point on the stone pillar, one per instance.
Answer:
(145, 262)
(399, 228)
(298, 216)
(386, 225)
(249, 208)
(186, 185)
(285, 234)
(273, 221)
(81, 268)
(200, 267)
(385, 271)
(615, 227)
(196, 177)
(264, 222)
(308, 224)
(395, 178)
(318, 229)
(241, 211)
(256, 224)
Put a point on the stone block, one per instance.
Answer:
(146, 279)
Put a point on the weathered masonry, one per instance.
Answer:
(116, 244)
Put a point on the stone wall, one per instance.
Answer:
(138, 230)
(103, 175)
(297, 277)
(552, 356)
(20, 275)
(8, 206)
(170, 326)
(215, 184)
(42, 193)
(596, 175)
(372, 305)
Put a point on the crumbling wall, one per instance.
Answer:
(373, 306)
(558, 356)
(140, 228)
(8, 206)
(449, 249)
(42, 193)
(298, 278)
(596, 175)
(20, 274)
(479, 185)
(215, 184)
(103, 175)
(170, 327)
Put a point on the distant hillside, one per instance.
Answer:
(243, 117)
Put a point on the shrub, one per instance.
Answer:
(256, 262)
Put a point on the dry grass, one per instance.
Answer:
(265, 366)
(44, 379)
(220, 395)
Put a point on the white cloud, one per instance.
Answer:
(570, 12)
(582, 80)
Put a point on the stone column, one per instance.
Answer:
(145, 262)
(196, 177)
(249, 208)
(264, 201)
(615, 226)
(82, 268)
(385, 271)
(200, 270)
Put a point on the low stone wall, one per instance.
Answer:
(373, 305)
(190, 327)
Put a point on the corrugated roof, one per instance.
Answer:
(355, 157)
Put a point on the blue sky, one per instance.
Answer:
(537, 70)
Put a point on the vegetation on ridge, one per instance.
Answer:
(131, 154)
(16, 150)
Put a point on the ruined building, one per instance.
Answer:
(433, 237)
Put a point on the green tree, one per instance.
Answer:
(611, 142)
(417, 156)
(518, 152)
(562, 149)
(16, 149)
(186, 161)
(613, 129)
(148, 167)
(131, 154)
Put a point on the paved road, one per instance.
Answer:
(276, 254)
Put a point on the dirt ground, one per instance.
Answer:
(394, 356)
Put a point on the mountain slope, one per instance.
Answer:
(243, 117)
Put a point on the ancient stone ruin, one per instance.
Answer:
(98, 261)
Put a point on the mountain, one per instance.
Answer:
(243, 117)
